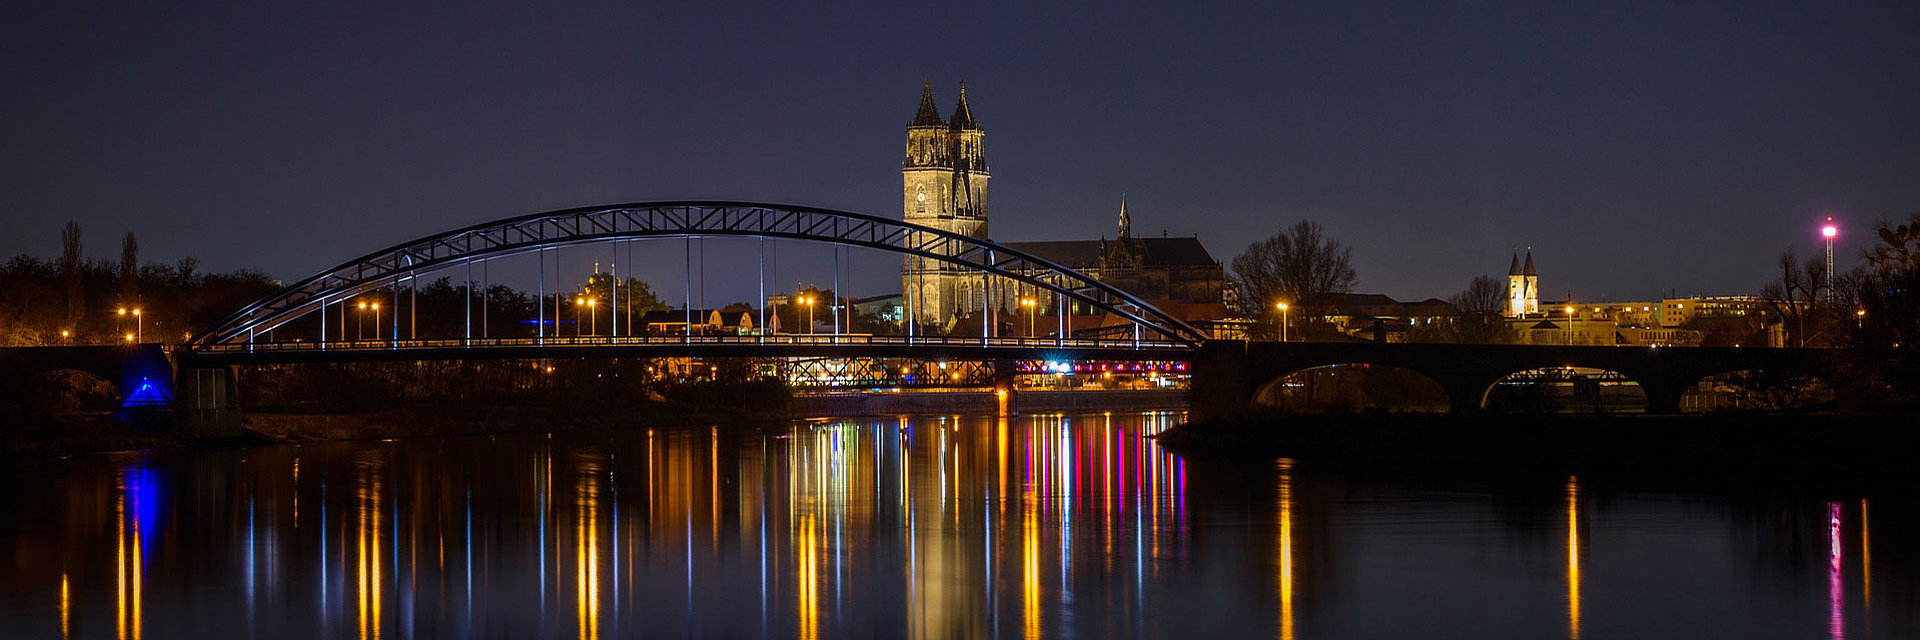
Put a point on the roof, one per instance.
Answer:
(1515, 269)
(962, 115)
(1529, 270)
(1153, 252)
(929, 115)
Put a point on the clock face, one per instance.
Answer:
(922, 197)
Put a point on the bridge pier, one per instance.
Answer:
(1663, 398)
(1003, 391)
(205, 403)
(1465, 395)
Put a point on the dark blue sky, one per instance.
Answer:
(1637, 148)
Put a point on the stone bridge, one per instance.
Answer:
(1228, 374)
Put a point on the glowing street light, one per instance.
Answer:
(593, 318)
(359, 323)
(1031, 305)
(1282, 306)
(66, 336)
(1569, 325)
(808, 300)
(1828, 232)
(376, 319)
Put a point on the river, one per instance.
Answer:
(926, 526)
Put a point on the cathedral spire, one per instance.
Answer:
(1126, 222)
(962, 115)
(1529, 269)
(929, 115)
(1515, 269)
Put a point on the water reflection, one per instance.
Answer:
(954, 526)
(1573, 558)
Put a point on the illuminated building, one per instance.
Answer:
(943, 186)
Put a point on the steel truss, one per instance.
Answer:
(407, 261)
(878, 373)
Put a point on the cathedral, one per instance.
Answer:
(1523, 288)
(943, 186)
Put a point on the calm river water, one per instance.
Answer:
(958, 526)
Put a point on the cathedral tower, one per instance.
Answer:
(1523, 287)
(943, 186)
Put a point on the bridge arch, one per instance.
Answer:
(1578, 388)
(1353, 386)
(404, 262)
(1771, 389)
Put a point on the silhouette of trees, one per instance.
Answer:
(1300, 266)
(1796, 296)
(1482, 305)
(1886, 322)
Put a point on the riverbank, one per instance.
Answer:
(1732, 447)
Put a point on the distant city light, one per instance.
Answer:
(1829, 231)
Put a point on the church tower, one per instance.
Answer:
(943, 186)
(1523, 287)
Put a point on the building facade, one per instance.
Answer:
(943, 186)
(1523, 287)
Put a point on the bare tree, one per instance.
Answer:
(1481, 306)
(1794, 295)
(70, 268)
(1300, 266)
(129, 268)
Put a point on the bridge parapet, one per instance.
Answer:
(1227, 374)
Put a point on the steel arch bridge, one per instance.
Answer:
(407, 262)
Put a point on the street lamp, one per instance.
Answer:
(593, 318)
(376, 320)
(359, 323)
(808, 300)
(577, 303)
(1031, 306)
(1569, 325)
(1828, 232)
(139, 326)
(1282, 306)
(66, 336)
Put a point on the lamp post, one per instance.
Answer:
(1282, 306)
(1828, 232)
(593, 318)
(808, 300)
(1569, 325)
(66, 336)
(120, 324)
(578, 302)
(376, 320)
(1032, 308)
(139, 327)
(359, 323)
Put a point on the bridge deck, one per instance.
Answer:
(776, 345)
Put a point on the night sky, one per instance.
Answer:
(1637, 149)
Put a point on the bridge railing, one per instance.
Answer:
(776, 340)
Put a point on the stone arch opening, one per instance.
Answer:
(1756, 390)
(1354, 387)
(1565, 390)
